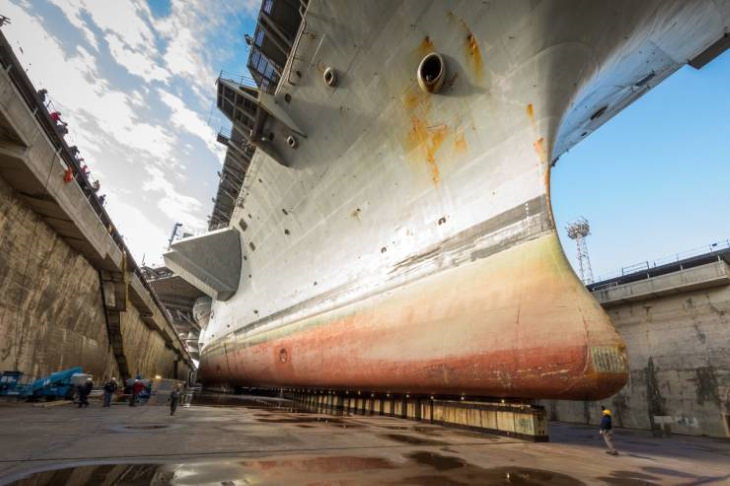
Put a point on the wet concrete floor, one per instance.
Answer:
(242, 441)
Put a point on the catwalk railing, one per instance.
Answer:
(713, 251)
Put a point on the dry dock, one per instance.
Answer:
(254, 444)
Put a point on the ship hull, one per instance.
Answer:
(503, 327)
(404, 242)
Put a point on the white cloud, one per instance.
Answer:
(177, 206)
(190, 121)
(114, 121)
(185, 30)
(134, 61)
(126, 29)
(125, 18)
(154, 139)
(144, 238)
(82, 94)
(73, 14)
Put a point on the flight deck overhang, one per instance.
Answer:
(211, 263)
(259, 121)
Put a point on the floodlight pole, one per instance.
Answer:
(578, 231)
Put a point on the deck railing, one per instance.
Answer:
(647, 265)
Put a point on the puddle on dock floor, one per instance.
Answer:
(326, 419)
(409, 439)
(278, 410)
(248, 401)
(418, 468)
(437, 461)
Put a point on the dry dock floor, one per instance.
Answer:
(244, 444)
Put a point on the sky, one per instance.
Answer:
(653, 181)
(135, 80)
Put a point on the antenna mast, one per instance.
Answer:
(173, 235)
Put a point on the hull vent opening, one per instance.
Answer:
(330, 77)
(431, 73)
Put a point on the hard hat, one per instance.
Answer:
(606, 412)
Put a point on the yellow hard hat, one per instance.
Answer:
(606, 411)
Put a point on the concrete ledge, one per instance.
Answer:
(36, 173)
(701, 277)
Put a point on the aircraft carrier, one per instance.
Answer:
(383, 221)
(382, 246)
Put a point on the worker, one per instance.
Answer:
(607, 431)
(68, 175)
(109, 388)
(84, 392)
(56, 117)
(137, 388)
(61, 125)
(174, 399)
(79, 389)
(133, 393)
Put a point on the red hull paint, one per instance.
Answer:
(516, 324)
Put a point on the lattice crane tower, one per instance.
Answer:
(578, 231)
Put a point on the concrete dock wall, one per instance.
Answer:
(677, 331)
(51, 311)
(50, 301)
(70, 294)
(147, 351)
